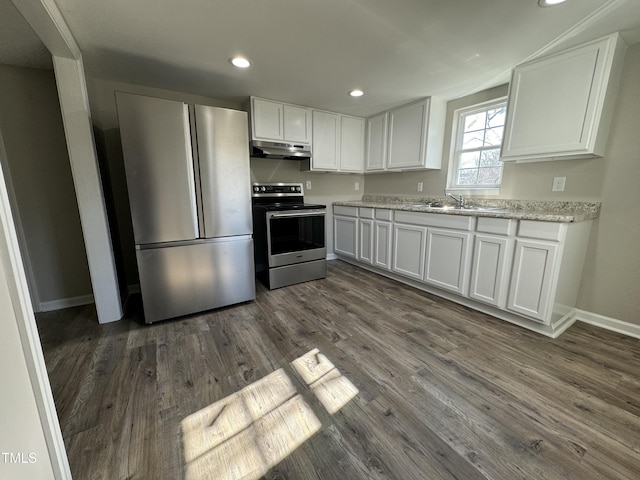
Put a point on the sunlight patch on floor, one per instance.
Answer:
(247, 433)
(332, 388)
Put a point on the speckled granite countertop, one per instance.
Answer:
(518, 209)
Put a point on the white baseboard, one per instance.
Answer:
(66, 303)
(332, 256)
(81, 300)
(608, 323)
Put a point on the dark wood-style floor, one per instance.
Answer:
(441, 391)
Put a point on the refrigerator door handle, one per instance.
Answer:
(196, 170)
(194, 185)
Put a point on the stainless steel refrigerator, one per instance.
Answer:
(187, 170)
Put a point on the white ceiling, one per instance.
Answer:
(312, 52)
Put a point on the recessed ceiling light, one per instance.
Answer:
(240, 62)
(550, 3)
(356, 93)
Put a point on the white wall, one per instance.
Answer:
(103, 101)
(611, 279)
(37, 158)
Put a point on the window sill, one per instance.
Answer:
(471, 192)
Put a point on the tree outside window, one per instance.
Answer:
(476, 157)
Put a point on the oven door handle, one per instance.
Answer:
(298, 214)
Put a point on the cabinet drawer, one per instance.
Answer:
(383, 214)
(456, 222)
(541, 230)
(346, 211)
(497, 226)
(365, 212)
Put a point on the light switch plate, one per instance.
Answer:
(308, 185)
(558, 184)
(420, 186)
(356, 187)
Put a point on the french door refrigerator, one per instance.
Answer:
(187, 171)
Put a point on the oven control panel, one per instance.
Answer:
(276, 190)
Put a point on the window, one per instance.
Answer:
(475, 161)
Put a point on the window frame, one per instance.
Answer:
(456, 140)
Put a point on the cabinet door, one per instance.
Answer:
(345, 236)
(351, 144)
(267, 119)
(326, 141)
(297, 124)
(447, 254)
(376, 143)
(490, 266)
(407, 135)
(555, 103)
(532, 275)
(365, 229)
(382, 245)
(408, 250)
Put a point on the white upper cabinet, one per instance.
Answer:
(338, 143)
(560, 106)
(376, 159)
(326, 141)
(267, 120)
(297, 124)
(351, 144)
(409, 137)
(280, 122)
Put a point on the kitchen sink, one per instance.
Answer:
(479, 209)
(440, 208)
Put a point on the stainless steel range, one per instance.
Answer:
(289, 235)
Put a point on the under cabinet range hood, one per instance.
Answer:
(288, 151)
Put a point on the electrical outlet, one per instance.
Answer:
(420, 186)
(308, 185)
(356, 186)
(558, 184)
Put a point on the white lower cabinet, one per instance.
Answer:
(534, 268)
(365, 227)
(408, 250)
(345, 231)
(490, 269)
(383, 234)
(447, 259)
(523, 271)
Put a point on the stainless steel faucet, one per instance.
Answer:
(459, 199)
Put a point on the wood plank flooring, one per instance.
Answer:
(351, 377)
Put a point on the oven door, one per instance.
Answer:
(295, 236)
